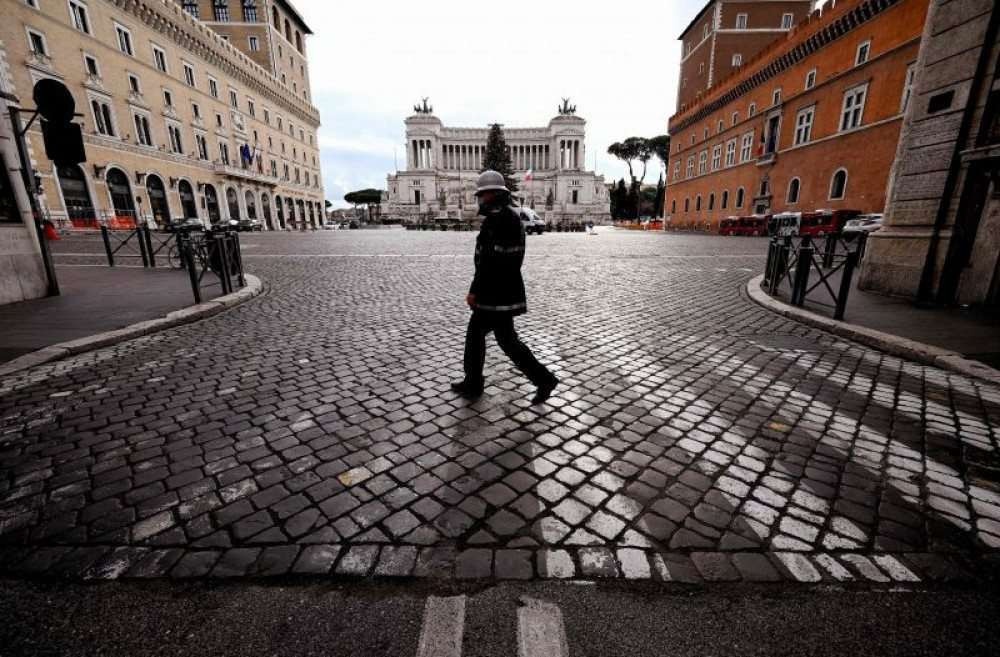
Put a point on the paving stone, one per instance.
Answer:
(277, 560)
(357, 560)
(235, 562)
(194, 564)
(597, 562)
(474, 564)
(513, 564)
(396, 561)
(755, 567)
(556, 564)
(316, 559)
(714, 566)
(634, 563)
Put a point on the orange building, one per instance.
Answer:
(812, 122)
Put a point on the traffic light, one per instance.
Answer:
(63, 138)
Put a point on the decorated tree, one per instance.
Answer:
(497, 157)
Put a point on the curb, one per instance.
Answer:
(887, 342)
(187, 315)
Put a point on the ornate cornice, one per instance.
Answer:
(849, 21)
(169, 19)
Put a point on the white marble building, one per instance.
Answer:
(442, 165)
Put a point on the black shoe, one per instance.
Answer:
(467, 390)
(544, 391)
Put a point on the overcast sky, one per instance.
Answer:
(372, 60)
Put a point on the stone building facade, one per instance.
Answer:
(181, 117)
(442, 164)
(727, 33)
(812, 123)
(941, 240)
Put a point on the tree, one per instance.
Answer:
(367, 197)
(497, 157)
(658, 203)
(620, 201)
(550, 199)
(660, 147)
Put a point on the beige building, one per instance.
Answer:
(190, 108)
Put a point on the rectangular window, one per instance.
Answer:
(752, 109)
(731, 153)
(78, 12)
(864, 51)
(124, 40)
(168, 98)
(803, 125)
(907, 88)
(224, 152)
(741, 21)
(175, 139)
(736, 118)
(233, 100)
(677, 170)
(160, 58)
(218, 119)
(717, 157)
(853, 109)
(690, 167)
(746, 147)
(737, 59)
(251, 108)
(189, 75)
(202, 146)
(267, 116)
(249, 11)
(213, 88)
(254, 44)
(103, 121)
(133, 84)
(37, 43)
(142, 135)
(191, 7)
(90, 63)
(810, 79)
(702, 163)
(221, 10)
(195, 111)
(787, 20)
(776, 97)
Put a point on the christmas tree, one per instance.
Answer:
(497, 157)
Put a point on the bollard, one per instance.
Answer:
(845, 284)
(802, 266)
(238, 254)
(769, 265)
(148, 239)
(107, 245)
(829, 250)
(184, 246)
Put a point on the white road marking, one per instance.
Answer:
(444, 622)
(540, 630)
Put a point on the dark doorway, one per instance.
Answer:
(963, 236)
(79, 206)
(188, 205)
(121, 195)
(212, 204)
(416, 196)
(265, 208)
(279, 206)
(158, 203)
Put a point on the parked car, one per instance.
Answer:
(531, 222)
(865, 223)
(250, 225)
(825, 222)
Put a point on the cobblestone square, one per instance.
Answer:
(694, 436)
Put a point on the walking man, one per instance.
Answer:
(497, 292)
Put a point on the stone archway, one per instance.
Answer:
(265, 208)
(188, 206)
(158, 203)
(121, 196)
(76, 197)
(233, 204)
(212, 205)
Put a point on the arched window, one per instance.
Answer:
(251, 204)
(275, 18)
(838, 185)
(697, 203)
(187, 199)
(212, 204)
(158, 203)
(687, 205)
(298, 41)
(280, 208)
(739, 197)
(76, 196)
(711, 201)
(234, 205)
(725, 199)
(764, 187)
(793, 190)
(673, 206)
(288, 31)
(265, 208)
(121, 193)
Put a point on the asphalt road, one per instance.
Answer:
(292, 618)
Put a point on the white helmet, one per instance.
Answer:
(491, 180)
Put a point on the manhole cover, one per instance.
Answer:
(781, 342)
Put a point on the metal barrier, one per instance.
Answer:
(216, 251)
(828, 257)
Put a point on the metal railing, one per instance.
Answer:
(217, 251)
(823, 265)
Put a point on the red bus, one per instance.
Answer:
(751, 225)
(729, 225)
(825, 222)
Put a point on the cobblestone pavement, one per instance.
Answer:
(695, 436)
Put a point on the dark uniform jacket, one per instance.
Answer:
(498, 285)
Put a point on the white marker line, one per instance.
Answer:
(540, 631)
(441, 633)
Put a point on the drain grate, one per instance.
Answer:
(785, 342)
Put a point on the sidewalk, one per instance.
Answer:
(973, 334)
(93, 300)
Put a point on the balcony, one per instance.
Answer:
(39, 60)
(253, 175)
(767, 158)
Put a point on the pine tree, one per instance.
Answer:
(497, 157)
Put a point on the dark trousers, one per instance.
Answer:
(502, 326)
